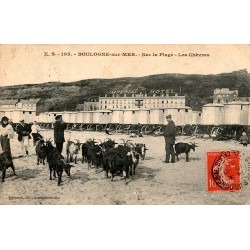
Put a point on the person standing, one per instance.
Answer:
(244, 139)
(35, 128)
(59, 127)
(6, 133)
(23, 130)
(169, 135)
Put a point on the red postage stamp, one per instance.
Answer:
(223, 171)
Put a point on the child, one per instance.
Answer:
(244, 139)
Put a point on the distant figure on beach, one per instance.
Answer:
(244, 139)
(35, 128)
(213, 135)
(59, 127)
(23, 130)
(169, 135)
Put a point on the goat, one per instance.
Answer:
(41, 151)
(72, 150)
(85, 147)
(56, 163)
(184, 148)
(5, 163)
(94, 156)
(121, 159)
(141, 150)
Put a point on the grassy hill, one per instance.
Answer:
(198, 89)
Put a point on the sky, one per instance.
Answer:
(30, 64)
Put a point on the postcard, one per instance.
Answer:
(124, 124)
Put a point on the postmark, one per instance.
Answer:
(223, 171)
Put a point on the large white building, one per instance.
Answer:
(141, 101)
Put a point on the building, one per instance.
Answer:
(17, 109)
(88, 106)
(212, 114)
(225, 95)
(237, 113)
(244, 99)
(196, 117)
(141, 101)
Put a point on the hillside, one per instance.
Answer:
(198, 89)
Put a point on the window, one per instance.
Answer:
(30, 112)
(23, 112)
(179, 110)
(186, 110)
(162, 101)
(133, 112)
(105, 107)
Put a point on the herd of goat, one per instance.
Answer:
(114, 158)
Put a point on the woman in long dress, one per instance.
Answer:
(6, 132)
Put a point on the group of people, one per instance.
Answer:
(24, 132)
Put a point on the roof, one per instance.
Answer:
(237, 103)
(246, 99)
(30, 101)
(213, 105)
(8, 102)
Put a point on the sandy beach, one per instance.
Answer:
(155, 182)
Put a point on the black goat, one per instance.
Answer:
(85, 147)
(184, 148)
(5, 163)
(56, 163)
(41, 151)
(121, 159)
(141, 150)
(94, 156)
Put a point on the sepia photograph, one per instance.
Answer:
(124, 124)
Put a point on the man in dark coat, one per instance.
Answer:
(169, 135)
(23, 130)
(59, 128)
